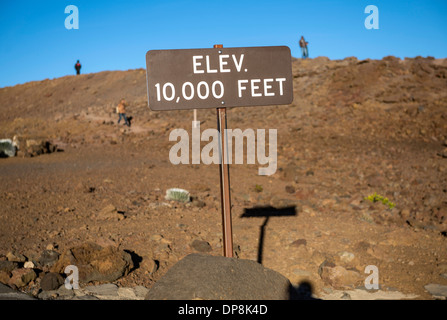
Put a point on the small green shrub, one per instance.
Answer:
(177, 194)
(378, 198)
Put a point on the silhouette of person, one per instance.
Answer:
(303, 46)
(78, 67)
(121, 110)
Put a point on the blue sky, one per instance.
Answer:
(115, 35)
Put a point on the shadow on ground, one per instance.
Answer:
(267, 212)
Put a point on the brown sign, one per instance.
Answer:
(219, 77)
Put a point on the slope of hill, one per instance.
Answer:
(355, 128)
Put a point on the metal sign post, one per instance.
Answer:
(227, 231)
(225, 183)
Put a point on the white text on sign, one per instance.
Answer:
(223, 61)
(256, 90)
(203, 90)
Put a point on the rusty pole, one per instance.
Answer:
(227, 232)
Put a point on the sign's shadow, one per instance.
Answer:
(267, 212)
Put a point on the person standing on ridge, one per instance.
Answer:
(121, 110)
(78, 67)
(303, 46)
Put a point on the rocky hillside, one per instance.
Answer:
(362, 161)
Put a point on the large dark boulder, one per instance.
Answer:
(199, 276)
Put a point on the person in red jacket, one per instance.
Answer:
(78, 67)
